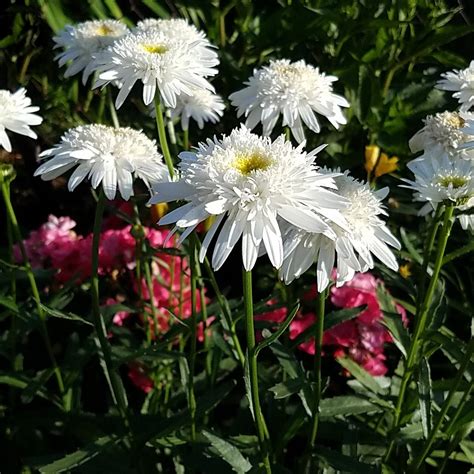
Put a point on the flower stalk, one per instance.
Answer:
(251, 364)
(160, 125)
(421, 318)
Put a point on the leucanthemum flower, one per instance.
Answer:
(248, 183)
(159, 62)
(295, 90)
(461, 81)
(16, 114)
(107, 155)
(83, 41)
(180, 30)
(445, 132)
(365, 235)
(202, 106)
(442, 180)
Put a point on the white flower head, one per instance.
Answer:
(159, 62)
(107, 155)
(296, 90)
(83, 41)
(180, 30)
(248, 183)
(202, 106)
(16, 114)
(365, 235)
(445, 132)
(442, 180)
(461, 81)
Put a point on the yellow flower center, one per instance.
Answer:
(456, 121)
(454, 181)
(104, 30)
(155, 48)
(247, 163)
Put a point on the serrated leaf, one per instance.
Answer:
(55, 313)
(228, 453)
(425, 396)
(361, 375)
(346, 405)
(79, 457)
(342, 462)
(287, 388)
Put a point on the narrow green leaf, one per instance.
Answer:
(9, 303)
(156, 8)
(248, 386)
(79, 457)
(425, 396)
(342, 462)
(36, 385)
(346, 405)
(361, 375)
(287, 388)
(229, 453)
(55, 313)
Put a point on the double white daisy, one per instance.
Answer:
(83, 41)
(365, 235)
(164, 64)
(180, 30)
(461, 81)
(16, 114)
(295, 90)
(201, 106)
(107, 155)
(449, 133)
(442, 180)
(249, 184)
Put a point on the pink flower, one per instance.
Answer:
(299, 325)
(138, 376)
(277, 315)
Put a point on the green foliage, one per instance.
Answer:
(387, 55)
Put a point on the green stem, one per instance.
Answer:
(186, 139)
(34, 289)
(160, 125)
(421, 319)
(226, 312)
(459, 252)
(251, 362)
(415, 467)
(113, 112)
(193, 262)
(115, 383)
(427, 252)
(154, 314)
(318, 345)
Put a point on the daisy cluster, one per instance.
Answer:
(444, 172)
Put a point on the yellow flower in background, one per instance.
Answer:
(158, 210)
(405, 270)
(377, 163)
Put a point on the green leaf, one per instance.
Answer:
(293, 369)
(248, 385)
(62, 315)
(361, 375)
(156, 8)
(364, 93)
(36, 385)
(287, 388)
(425, 396)
(229, 453)
(54, 14)
(332, 319)
(9, 303)
(392, 320)
(346, 405)
(342, 462)
(80, 457)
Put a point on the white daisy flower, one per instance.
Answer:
(16, 114)
(107, 155)
(461, 81)
(83, 41)
(202, 106)
(445, 133)
(366, 235)
(180, 30)
(248, 182)
(441, 180)
(160, 62)
(296, 90)
(466, 220)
